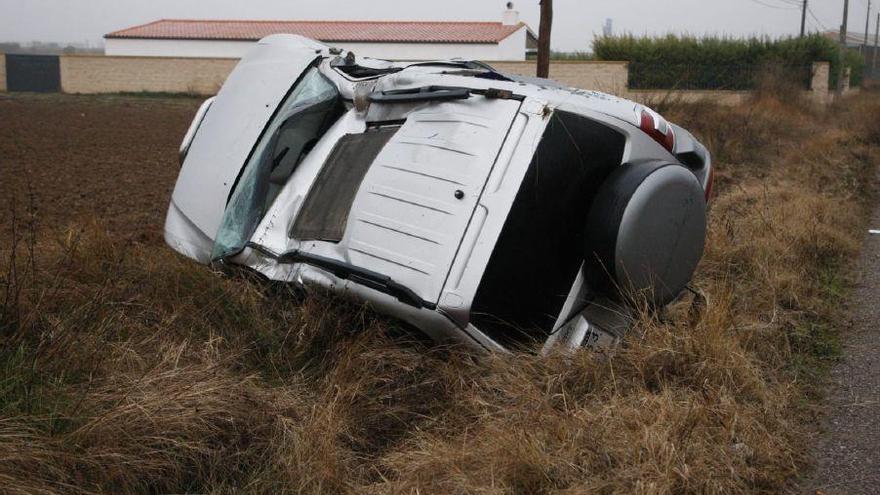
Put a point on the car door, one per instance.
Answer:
(227, 135)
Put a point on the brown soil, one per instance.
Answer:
(106, 158)
(125, 368)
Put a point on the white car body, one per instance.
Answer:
(431, 206)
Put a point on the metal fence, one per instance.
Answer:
(38, 73)
(713, 77)
(872, 73)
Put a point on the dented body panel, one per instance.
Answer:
(424, 220)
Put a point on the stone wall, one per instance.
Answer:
(653, 97)
(608, 77)
(204, 76)
(819, 92)
(101, 74)
(846, 76)
(2, 72)
(108, 74)
(819, 86)
(613, 77)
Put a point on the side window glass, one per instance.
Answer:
(303, 117)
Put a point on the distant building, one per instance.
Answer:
(607, 29)
(509, 39)
(853, 39)
(856, 41)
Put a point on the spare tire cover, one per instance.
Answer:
(646, 231)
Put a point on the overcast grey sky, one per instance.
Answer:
(575, 21)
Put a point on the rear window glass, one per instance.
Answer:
(324, 213)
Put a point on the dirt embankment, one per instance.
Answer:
(111, 159)
(127, 369)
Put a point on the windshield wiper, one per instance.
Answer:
(440, 93)
(347, 271)
(425, 93)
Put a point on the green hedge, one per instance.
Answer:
(856, 63)
(719, 63)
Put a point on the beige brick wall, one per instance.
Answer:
(847, 74)
(819, 90)
(612, 77)
(821, 76)
(2, 72)
(102, 74)
(609, 77)
(655, 97)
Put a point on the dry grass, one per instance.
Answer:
(125, 369)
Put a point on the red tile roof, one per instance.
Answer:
(339, 31)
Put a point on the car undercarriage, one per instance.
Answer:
(482, 208)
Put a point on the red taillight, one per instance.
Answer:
(659, 130)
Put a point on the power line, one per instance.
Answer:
(813, 27)
(818, 21)
(800, 5)
(759, 2)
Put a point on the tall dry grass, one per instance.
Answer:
(126, 369)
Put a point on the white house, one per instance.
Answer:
(508, 39)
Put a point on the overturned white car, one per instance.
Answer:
(480, 207)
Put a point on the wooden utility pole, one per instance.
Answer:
(876, 39)
(544, 38)
(804, 19)
(843, 28)
(867, 27)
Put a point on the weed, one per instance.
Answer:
(127, 369)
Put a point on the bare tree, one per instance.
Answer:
(544, 38)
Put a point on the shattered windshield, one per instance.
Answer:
(306, 113)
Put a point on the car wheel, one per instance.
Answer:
(646, 231)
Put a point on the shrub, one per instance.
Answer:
(856, 63)
(575, 55)
(718, 63)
